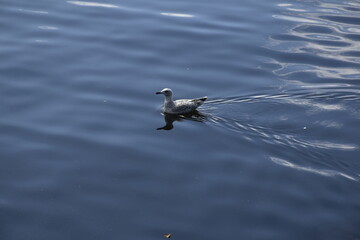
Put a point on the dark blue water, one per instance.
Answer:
(273, 154)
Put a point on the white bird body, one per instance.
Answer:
(180, 106)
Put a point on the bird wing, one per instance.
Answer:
(199, 101)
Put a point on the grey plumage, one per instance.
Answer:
(180, 106)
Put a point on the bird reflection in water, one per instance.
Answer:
(170, 118)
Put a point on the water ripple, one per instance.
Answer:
(93, 4)
(48, 28)
(323, 40)
(182, 15)
(236, 114)
(322, 172)
(32, 11)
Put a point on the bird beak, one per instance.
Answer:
(158, 92)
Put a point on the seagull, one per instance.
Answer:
(179, 106)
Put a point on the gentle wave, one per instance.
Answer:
(93, 4)
(183, 15)
(32, 11)
(322, 172)
(292, 138)
(289, 96)
(235, 114)
(325, 37)
(48, 28)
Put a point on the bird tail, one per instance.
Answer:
(200, 101)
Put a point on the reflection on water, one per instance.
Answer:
(48, 28)
(293, 108)
(328, 33)
(323, 172)
(32, 11)
(171, 118)
(178, 15)
(93, 4)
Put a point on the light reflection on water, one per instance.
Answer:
(323, 172)
(93, 4)
(325, 36)
(177, 15)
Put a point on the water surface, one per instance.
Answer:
(85, 152)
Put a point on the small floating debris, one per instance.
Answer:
(304, 128)
(167, 235)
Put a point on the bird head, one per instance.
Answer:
(166, 92)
